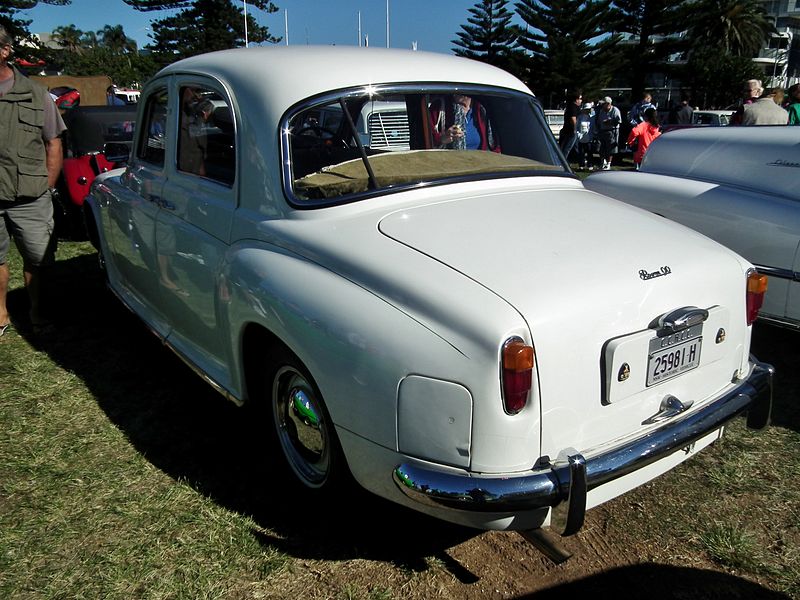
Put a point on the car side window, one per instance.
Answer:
(206, 143)
(153, 133)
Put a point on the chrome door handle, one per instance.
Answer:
(161, 202)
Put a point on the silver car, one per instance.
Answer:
(739, 186)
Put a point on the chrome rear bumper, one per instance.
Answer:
(569, 480)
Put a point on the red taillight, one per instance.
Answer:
(517, 374)
(756, 288)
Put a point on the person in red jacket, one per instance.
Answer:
(645, 132)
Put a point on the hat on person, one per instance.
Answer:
(588, 106)
(607, 100)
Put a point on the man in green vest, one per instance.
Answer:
(30, 163)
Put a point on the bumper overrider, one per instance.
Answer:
(570, 478)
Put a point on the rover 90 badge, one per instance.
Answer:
(645, 275)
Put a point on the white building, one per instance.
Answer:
(781, 58)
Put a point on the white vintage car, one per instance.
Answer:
(739, 186)
(463, 328)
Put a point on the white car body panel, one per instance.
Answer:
(398, 299)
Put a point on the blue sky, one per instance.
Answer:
(431, 23)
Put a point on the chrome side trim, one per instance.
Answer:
(778, 272)
(784, 322)
(550, 487)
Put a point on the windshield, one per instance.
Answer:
(360, 143)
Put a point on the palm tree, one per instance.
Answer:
(738, 27)
(113, 37)
(89, 39)
(69, 38)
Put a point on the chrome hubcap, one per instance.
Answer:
(301, 425)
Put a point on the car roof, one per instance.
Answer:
(285, 75)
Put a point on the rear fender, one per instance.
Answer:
(337, 329)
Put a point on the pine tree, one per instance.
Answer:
(654, 26)
(571, 45)
(490, 36)
(202, 26)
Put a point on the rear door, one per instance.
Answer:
(193, 225)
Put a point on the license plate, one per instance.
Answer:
(674, 358)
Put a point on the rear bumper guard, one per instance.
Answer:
(572, 476)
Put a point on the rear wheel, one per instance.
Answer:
(304, 430)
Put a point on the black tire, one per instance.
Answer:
(303, 428)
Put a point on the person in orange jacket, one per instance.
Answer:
(645, 132)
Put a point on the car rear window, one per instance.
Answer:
(361, 143)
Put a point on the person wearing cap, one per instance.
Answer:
(30, 163)
(584, 131)
(608, 119)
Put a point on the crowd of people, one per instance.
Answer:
(593, 128)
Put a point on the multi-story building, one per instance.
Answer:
(780, 59)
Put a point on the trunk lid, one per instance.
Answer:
(591, 276)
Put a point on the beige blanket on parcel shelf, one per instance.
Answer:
(395, 168)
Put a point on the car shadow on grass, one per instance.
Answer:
(190, 432)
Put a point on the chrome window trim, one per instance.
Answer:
(406, 88)
(182, 79)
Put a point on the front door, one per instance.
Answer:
(133, 214)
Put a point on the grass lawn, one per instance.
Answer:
(123, 475)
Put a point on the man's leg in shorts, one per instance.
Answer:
(33, 224)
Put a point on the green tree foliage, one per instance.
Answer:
(737, 27)
(18, 28)
(124, 69)
(108, 51)
(490, 37)
(203, 26)
(70, 38)
(571, 45)
(654, 27)
(716, 76)
(113, 37)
